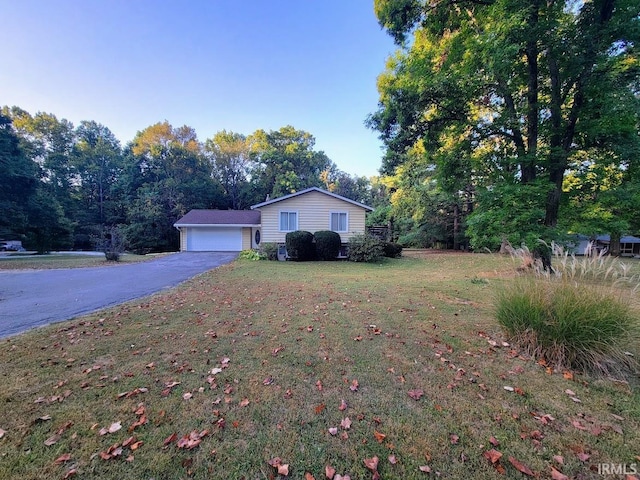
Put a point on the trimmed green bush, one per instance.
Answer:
(300, 245)
(269, 250)
(327, 244)
(569, 325)
(365, 248)
(392, 250)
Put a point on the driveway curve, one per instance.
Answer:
(33, 298)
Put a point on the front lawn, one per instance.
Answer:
(319, 364)
(21, 261)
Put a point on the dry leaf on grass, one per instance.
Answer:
(558, 475)
(416, 394)
(521, 467)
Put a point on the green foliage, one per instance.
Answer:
(568, 324)
(269, 250)
(392, 250)
(300, 245)
(327, 244)
(365, 248)
(488, 98)
(252, 255)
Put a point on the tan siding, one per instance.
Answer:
(314, 210)
(246, 238)
(183, 239)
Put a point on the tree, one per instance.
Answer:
(165, 176)
(18, 182)
(97, 160)
(285, 162)
(504, 93)
(228, 153)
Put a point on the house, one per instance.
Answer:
(312, 209)
(629, 245)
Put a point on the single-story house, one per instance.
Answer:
(312, 209)
(629, 245)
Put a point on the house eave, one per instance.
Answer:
(221, 225)
(312, 189)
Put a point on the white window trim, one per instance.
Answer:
(339, 212)
(280, 216)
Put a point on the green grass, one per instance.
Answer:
(422, 322)
(39, 262)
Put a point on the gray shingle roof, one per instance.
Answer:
(220, 217)
(313, 189)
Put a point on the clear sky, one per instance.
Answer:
(238, 65)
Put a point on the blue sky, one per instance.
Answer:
(238, 65)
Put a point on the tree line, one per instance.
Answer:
(63, 186)
(511, 120)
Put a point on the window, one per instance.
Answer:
(288, 221)
(339, 221)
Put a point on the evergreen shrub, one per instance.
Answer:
(300, 245)
(327, 244)
(365, 248)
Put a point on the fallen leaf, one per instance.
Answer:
(283, 469)
(492, 455)
(319, 385)
(342, 407)
(454, 439)
(521, 467)
(416, 394)
(2, 432)
(379, 436)
(583, 457)
(354, 385)
(70, 473)
(333, 430)
(308, 476)
(187, 396)
(342, 477)
(558, 475)
(494, 441)
(425, 468)
(62, 459)
(320, 408)
(114, 427)
(170, 439)
(52, 440)
(392, 459)
(329, 472)
(568, 375)
(371, 463)
(244, 402)
(559, 459)
(346, 423)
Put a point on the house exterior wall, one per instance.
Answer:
(183, 239)
(314, 213)
(246, 238)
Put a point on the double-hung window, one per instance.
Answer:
(339, 222)
(288, 221)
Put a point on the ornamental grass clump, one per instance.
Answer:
(570, 325)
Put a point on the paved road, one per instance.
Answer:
(34, 298)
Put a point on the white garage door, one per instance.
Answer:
(214, 239)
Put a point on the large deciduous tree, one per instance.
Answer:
(503, 94)
(228, 153)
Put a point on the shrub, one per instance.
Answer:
(112, 243)
(567, 324)
(251, 255)
(327, 244)
(365, 248)
(300, 245)
(269, 250)
(392, 250)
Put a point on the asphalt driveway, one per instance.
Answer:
(32, 298)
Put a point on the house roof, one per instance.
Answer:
(312, 189)
(623, 239)
(230, 218)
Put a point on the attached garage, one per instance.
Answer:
(214, 239)
(217, 230)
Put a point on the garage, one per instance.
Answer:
(214, 239)
(217, 230)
